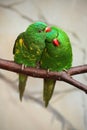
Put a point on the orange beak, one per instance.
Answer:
(48, 29)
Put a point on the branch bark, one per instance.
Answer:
(41, 73)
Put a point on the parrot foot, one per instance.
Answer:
(23, 66)
(38, 65)
(66, 72)
(48, 70)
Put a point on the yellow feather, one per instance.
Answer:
(21, 42)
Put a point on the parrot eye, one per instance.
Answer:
(40, 31)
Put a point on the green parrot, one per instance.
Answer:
(57, 56)
(28, 49)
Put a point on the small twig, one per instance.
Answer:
(41, 73)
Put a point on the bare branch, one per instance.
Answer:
(78, 70)
(74, 82)
(41, 73)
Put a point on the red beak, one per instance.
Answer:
(56, 42)
(48, 29)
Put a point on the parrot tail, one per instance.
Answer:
(49, 85)
(22, 84)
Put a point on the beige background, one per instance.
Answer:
(68, 107)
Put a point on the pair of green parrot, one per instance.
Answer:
(44, 47)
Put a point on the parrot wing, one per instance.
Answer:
(19, 39)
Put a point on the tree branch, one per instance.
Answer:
(41, 73)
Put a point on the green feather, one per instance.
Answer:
(28, 49)
(55, 58)
(48, 89)
(22, 84)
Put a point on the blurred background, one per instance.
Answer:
(68, 107)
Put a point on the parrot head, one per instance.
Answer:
(37, 32)
(52, 36)
(56, 39)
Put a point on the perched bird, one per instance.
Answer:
(57, 56)
(28, 49)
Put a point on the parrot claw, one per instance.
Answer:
(38, 65)
(66, 72)
(48, 70)
(23, 66)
